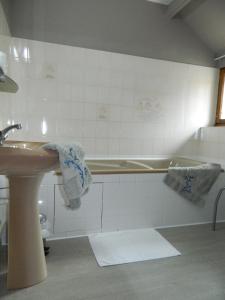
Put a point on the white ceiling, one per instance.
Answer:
(166, 2)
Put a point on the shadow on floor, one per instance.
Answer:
(3, 286)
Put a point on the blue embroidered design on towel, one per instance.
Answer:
(188, 184)
(73, 161)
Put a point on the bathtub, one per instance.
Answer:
(129, 166)
(131, 194)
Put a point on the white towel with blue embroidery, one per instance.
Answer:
(193, 183)
(76, 175)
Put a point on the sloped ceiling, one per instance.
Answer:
(135, 27)
(139, 27)
(208, 22)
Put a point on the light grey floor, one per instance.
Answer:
(74, 275)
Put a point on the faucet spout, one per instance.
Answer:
(4, 132)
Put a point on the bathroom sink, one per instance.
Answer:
(26, 158)
(24, 164)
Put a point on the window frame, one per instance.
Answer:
(221, 91)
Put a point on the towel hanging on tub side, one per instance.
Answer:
(76, 175)
(192, 182)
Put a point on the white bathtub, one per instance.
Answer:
(129, 194)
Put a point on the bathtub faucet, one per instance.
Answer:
(4, 132)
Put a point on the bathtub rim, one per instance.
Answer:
(120, 171)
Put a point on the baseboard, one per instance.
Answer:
(56, 238)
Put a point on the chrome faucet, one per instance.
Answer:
(4, 132)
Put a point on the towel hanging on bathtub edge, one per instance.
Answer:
(76, 175)
(192, 182)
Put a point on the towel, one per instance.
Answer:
(76, 175)
(193, 182)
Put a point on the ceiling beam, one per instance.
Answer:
(176, 6)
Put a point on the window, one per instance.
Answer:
(220, 113)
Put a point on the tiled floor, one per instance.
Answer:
(74, 275)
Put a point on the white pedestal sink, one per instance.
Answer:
(24, 163)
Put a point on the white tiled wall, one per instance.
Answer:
(113, 104)
(5, 102)
(5, 108)
(210, 143)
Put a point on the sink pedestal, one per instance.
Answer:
(24, 163)
(26, 260)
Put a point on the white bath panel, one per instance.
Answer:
(82, 221)
(122, 247)
(131, 205)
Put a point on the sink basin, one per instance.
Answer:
(26, 158)
(24, 163)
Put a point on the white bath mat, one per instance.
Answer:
(120, 247)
